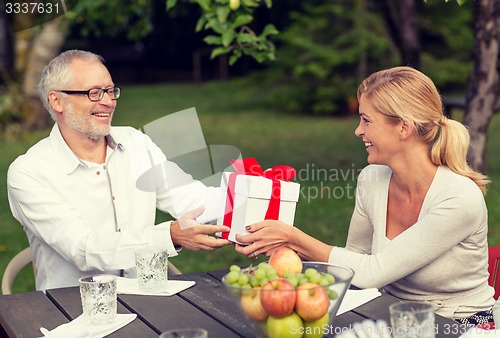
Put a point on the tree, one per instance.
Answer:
(483, 89)
(401, 16)
(228, 19)
(45, 46)
(6, 55)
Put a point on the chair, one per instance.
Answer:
(16, 264)
(494, 268)
(173, 270)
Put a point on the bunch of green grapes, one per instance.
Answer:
(252, 277)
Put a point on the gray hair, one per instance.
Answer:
(56, 75)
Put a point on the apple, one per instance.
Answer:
(285, 259)
(251, 305)
(278, 297)
(311, 302)
(316, 328)
(290, 326)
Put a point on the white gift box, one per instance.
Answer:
(252, 195)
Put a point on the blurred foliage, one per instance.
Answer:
(229, 21)
(322, 53)
(330, 47)
(447, 42)
(110, 18)
(10, 102)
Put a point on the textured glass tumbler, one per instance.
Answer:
(98, 295)
(185, 333)
(152, 270)
(412, 320)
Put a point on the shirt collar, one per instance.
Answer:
(67, 158)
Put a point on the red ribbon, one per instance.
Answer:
(250, 166)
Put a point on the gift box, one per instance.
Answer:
(253, 195)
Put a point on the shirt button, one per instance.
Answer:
(97, 172)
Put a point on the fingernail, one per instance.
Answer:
(248, 228)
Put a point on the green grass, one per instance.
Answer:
(324, 151)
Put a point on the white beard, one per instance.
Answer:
(83, 124)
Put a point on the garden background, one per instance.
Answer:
(297, 110)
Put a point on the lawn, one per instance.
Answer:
(323, 150)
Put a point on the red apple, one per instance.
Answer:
(290, 326)
(251, 305)
(278, 297)
(311, 302)
(285, 259)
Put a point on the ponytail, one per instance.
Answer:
(450, 148)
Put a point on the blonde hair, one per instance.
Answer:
(404, 93)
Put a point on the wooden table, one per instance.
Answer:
(207, 304)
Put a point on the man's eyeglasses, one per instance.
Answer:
(95, 94)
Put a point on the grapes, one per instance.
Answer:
(293, 280)
(254, 281)
(234, 268)
(244, 279)
(310, 272)
(329, 278)
(316, 278)
(332, 294)
(324, 281)
(232, 277)
(257, 276)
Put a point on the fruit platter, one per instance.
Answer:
(286, 297)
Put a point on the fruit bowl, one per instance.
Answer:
(300, 303)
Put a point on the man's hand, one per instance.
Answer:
(194, 236)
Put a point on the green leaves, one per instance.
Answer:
(171, 4)
(242, 20)
(229, 21)
(113, 17)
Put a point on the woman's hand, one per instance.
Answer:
(267, 236)
(264, 238)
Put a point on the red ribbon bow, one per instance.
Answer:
(250, 166)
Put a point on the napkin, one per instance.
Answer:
(355, 298)
(77, 328)
(131, 287)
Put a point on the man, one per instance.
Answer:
(76, 194)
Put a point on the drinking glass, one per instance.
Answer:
(152, 270)
(412, 320)
(185, 333)
(98, 295)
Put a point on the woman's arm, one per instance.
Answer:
(268, 235)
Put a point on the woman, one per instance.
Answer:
(419, 228)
